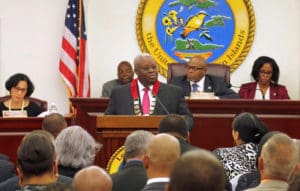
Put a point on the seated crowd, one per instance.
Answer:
(166, 161)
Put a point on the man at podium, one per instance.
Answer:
(145, 95)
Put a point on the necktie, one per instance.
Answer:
(194, 87)
(146, 102)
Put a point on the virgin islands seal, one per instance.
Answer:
(221, 31)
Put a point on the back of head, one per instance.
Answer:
(249, 127)
(92, 178)
(279, 157)
(54, 123)
(162, 152)
(36, 154)
(75, 147)
(173, 124)
(136, 144)
(197, 170)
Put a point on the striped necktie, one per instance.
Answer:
(194, 87)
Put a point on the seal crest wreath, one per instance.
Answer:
(222, 31)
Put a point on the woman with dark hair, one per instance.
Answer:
(20, 87)
(265, 72)
(247, 130)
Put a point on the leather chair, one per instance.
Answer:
(41, 103)
(179, 69)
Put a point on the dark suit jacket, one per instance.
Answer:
(247, 91)
(7, 168)
(170, 97)
(156, 186)
(211, 84)
(185, 146)
(132, 177)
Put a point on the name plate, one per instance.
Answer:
(11, 114)
(203, 95)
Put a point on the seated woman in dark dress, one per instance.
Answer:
(20, 87)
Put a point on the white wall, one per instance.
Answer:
(31, 32)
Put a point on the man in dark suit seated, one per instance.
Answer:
(175, 125)
(146, 95)
(133, 177)
(196, 80)
(161, 155)
(7, 168)
(125, 75)
(37, 165)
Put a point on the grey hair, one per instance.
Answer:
(136, 143)
(75, 147)
(280, 156)
(140, 57)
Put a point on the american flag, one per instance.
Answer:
(73, 64)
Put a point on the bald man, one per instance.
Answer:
(277, 162)
(92, 178)
(161, 155)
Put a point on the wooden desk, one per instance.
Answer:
(12, 131)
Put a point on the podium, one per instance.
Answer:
(112, 130)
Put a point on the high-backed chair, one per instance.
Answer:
(41, 103)
(179, 69)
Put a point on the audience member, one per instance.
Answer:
(175, 125)
(146, 95)
(54, 123)
(7, 168)
(92, 178)
(251, 179)
(125, 75)
(161, 155)
(133, 177)
(20, 87)
(265, 72)
(37, 165)
(76, 149)
(196, 79)
(278, 160)
(197, 170)
(247, 132)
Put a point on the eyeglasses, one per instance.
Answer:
(18, 89)
(267, 73)
(194, 68)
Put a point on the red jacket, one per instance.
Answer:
(247, 91)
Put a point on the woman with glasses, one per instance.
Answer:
(265, 72)
(20, 87)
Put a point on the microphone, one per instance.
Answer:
(162, 105)
(229, 85)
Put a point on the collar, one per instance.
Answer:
(160, 179)
(141, 86)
